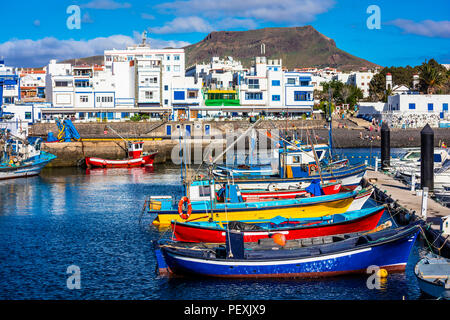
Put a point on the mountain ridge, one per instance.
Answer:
(298, 47)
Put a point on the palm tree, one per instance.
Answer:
(430, 77)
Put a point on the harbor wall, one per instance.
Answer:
(110, 146)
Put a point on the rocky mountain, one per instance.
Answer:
(297, 46)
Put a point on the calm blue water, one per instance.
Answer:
(70, 217)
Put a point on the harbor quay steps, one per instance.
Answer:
(100, 141)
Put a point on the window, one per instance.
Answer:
(276, 97)
(275, 83)
(154, 80)
(300, 96)
(166, 88)
(445, 107)
(176, 68)
(306, 83)
(178, 95)
(168, 57)
(430, 107)
(204, 191)
(105, 99)
(166, 102)
(412, 106)
(125, 115)
(61, 83)
(84, 99)
(253, 83)
(291, 81)
(167, 68)
(192, 94)
(28, 115)
(148, 94)
(253, 96)
(176, 57)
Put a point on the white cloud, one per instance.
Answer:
(427, 28)
(281, 11)
(37, 53)
(231, 23)
(106, 5)
(183, 25)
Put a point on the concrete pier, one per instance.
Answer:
(403, 195)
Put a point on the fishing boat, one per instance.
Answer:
(253, 231)
(301, 155)
(301, 177)
(203, 204)
(136, 158)
(255, 195)
(20, 158)
(303, 258)
(433, 275)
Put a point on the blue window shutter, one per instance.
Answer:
(412, 106)
(178, 95)
(445, 107)
(430, 107)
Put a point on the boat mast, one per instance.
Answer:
(315, 157)
(330, 120)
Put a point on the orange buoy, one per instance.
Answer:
(279, 238)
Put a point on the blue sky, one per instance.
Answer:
(33, 32)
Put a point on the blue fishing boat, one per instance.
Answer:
(300, 176)
(304, 258)
(21, 158)
(301, 155)
(433, 275)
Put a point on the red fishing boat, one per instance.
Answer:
(212, 232)
(136, 158)
(255, 195)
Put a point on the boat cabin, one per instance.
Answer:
(297, 164)
(135, 149)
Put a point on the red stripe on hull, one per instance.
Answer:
(286, 194)
(305, 275)
(193, 233)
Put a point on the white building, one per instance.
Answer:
(9, 84)
(135, 80)
(361, 80)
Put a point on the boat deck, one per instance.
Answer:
(406, 198)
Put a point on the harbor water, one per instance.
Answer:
(91, 219)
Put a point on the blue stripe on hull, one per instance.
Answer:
(394, 254)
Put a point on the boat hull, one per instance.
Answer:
(287, 194)
(28, 169)
(390, 255)
(349, 179)
(125, 163)
(189, 232)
